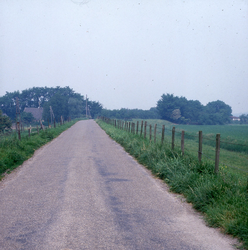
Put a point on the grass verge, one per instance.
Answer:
(14, 152)
(222, 198)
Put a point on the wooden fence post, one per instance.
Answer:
(41, 125)
(182, 142)
(133, 127)
(217, 154)
(137, 127)
(173, 138)
(150, 132)
(200, 146)
(145, 129)
(141, 128)
(162, 139)
(18, 130)
(155, 132)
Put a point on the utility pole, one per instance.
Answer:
(86, 107)
(52, 116)
(18, 118)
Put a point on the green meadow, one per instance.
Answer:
(233, 147)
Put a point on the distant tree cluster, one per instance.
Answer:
(128, 114)
(180, 110)
(244, 119)
(64, 102)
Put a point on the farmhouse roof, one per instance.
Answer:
(235, 118)
(36, 112)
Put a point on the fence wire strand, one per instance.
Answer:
(159, 133)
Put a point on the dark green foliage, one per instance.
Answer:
(27, 118)
(5, 122)
(180, 110)
(223, 198)
(64, 102)
(128, 114)
(244, 119)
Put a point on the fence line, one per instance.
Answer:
(157, 134)
(20, 130)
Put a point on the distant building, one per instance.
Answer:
(36, 112)
(235, 118)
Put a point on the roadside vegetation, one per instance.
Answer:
(13, 152)
(222, 197)
(234, 141)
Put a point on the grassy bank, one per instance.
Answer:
(14, 152)
(233, 147)
(222, 198)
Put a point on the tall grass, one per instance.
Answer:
(14, 152)
(233, 137)
(222, 198)
(233, 148)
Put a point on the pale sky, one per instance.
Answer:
(126, 54)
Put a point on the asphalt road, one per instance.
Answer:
(83, 191)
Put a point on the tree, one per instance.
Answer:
(27, 118)
(75, 107)
(219, 112)
(244, 119)
(5, 122)
(59, 104)
(176, 114)
(95, 108)
(166, 105)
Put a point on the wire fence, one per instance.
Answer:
(209, 147)
(28, 130)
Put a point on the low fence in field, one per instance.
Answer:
(21, 130)
(187, 142)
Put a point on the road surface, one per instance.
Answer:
(83, 191)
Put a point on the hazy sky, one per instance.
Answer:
(127, 53)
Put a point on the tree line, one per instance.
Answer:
(67, 103)
(180, 110)
(128, 114)
(64, 102)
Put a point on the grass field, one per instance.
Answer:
(234, 142)
(222, 197)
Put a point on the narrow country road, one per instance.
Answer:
(83, 191)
